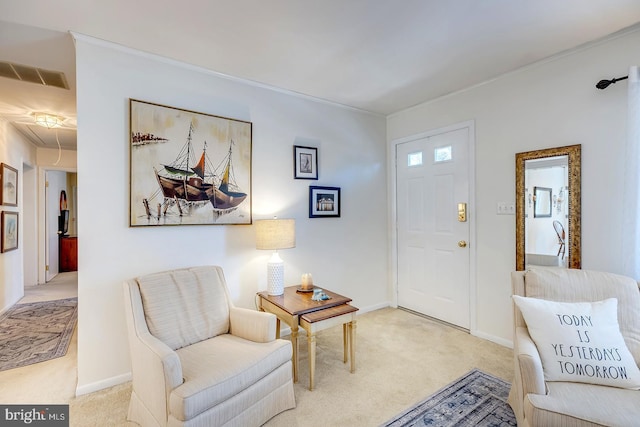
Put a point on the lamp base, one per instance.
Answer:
(275, 275)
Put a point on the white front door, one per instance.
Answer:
(433, 241)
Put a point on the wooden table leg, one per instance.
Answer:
(277, 328)
(352, 342)
(345, 339)
(311, 341)
(294, 344)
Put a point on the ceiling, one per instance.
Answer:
(376, 55)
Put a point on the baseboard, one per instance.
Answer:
(374, 307)
(102, 384)
(503, 342)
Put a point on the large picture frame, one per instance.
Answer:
(324, 202)
(188, 168)
(9, 232)
(8, 185)
(305, 162)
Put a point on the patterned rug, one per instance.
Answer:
(35, 332)
(476, 399)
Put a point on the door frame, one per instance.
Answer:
(393, 216)
(42, 218)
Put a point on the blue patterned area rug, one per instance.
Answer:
(476, 399)
(35, 332)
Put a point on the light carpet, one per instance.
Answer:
(38, 331)
(476, 399)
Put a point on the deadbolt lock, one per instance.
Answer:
(462, 212)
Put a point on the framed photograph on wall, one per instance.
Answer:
(188, 168)
(9, 185)
(9, 234)
(305, 162)
(542, 202)
(324, 202)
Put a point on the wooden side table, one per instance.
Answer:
(297, 309)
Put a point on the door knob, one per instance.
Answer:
(462, 244)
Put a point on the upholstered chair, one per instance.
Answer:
(196, 359)
(577, 400)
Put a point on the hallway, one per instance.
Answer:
(53, 381)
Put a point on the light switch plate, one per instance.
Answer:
(506, 208)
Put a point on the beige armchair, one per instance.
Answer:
(537, 402)
(199, 361)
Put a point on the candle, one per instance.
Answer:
(307, 281)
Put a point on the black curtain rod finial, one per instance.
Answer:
(603, 84)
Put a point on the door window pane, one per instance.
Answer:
(442, 154)
(414, 159)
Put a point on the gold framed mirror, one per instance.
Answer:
(553, 240)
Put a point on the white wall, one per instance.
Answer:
(15, 151)
(347, 255)
(29, 221)
(553, 103)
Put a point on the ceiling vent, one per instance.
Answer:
(35, 75)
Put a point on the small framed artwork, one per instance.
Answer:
(9, 188)
(324, 202)
(541, 202)
(305, 162)
(9, 233)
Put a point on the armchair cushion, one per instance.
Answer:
(580, 342)
(185, 306)
(219, 368)
(573, 404)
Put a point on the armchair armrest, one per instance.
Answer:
(151, 354)
(529, 362)
(156, 368)
(252, 325)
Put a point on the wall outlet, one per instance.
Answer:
(506, 208)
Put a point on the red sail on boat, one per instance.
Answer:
(197, 184)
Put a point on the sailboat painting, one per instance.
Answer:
(188, 168)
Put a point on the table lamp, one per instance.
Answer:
(275, 234)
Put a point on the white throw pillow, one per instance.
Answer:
(580, 342)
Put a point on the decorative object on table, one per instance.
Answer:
(319, 295)
(275, 234)
(324, 202)
(306, 283)
(46, 326)
(305, 162)
(9, 235)
(9, 185)
(477, 398)
(188, 168)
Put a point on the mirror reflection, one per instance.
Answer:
(548, 208)
(546, 220)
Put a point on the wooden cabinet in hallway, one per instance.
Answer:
(68, 253)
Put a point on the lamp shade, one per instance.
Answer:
(275, 233)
